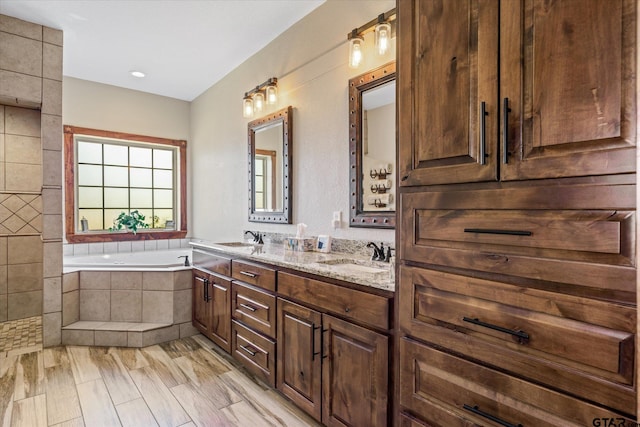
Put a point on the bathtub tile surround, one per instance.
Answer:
(31, 185)
(79, 249)
(137, 307)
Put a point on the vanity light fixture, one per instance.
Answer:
(255, 100)
(383, 37)
(382, 27)
(247, 106)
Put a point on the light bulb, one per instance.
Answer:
(258, 102)
(355, 52)
(247, 106)
(383, 35)
(272, 94)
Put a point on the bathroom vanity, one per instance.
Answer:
(315, 326)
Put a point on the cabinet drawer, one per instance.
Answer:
(431, 377)
(254, 308)
(586, 248)
(582, 346)
(210, 262)
(254, 274)
(349, 303)
(255, 352)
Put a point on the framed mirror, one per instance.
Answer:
(270, 142)
(372, 147)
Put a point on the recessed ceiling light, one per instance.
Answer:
(138, 74)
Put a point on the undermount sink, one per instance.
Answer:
(235, 244)
(355, 267)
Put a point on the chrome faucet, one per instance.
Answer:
(257, 237)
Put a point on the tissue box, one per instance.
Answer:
(299, 244)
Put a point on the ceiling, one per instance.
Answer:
(183, 46)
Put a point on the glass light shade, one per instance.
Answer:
(272, 94)
(355, 52)
(258, 102)
(383, 37)
(247, 107)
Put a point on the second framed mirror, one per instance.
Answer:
(372, 147)
(270, 141)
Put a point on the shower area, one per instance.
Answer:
(31, 205)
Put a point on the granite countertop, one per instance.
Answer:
(342, 266)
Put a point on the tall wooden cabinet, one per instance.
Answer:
(517, 237)
(549, 92)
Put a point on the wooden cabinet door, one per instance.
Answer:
(220, 294)
(299, 355)
(354, 375)
(201, 316)
(447, 72)
(567, 73)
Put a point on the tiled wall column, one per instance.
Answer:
(31, 174)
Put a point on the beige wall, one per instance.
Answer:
(100, 106)
(310, 62)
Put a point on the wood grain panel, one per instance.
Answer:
(255, 352)
(62, 398)
(354, 375)
(135, 413)
(30, 412)
(431, 375)
(299, 358)
(348, 303)
(568, 71)
(254, 274)
(255, 308)
(580, 368)
(97, 408)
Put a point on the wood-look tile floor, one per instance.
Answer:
(179, 383)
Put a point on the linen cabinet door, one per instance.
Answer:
(201, 308)
(354, 375)
(568, 88)
(220, 294)
(299, 356)
(447, 83)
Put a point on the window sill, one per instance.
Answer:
(124, 236)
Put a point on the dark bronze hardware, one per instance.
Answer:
(505, 130)
(483, 133)
(246, 273)
(248, 350)
(248, 307)
(490, 231)
(521, 335)
(483, 414)
(313, 342)
(324, 356)
(205, 283)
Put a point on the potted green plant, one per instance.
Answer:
(130, 221)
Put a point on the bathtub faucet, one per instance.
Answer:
(186, 260)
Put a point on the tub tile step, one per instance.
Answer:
(87, 325)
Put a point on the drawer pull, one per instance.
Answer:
(483, 414)
(248, 350)
(490, 231)
(522, 336)
(246, 273)
(248, 307)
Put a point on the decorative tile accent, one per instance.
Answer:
(20, 214)
(21, 333)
